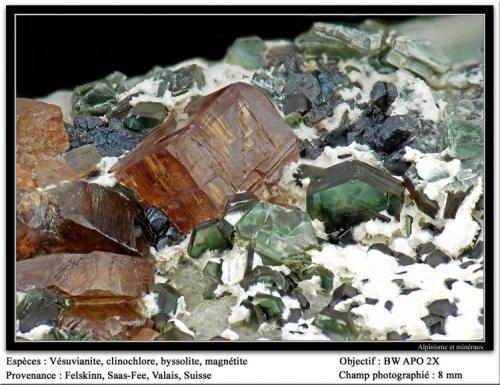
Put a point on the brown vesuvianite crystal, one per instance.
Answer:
(79, 217)
(40, 135)
(231, 140)
(104, 320)
(94, 275)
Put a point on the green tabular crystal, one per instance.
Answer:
(98, 97)
(265, 274)
(336, 322)
(145, 116)
(237, 205)
(170, 332)
(39, 307)
(212, 273)
(209, 235)
(247, 52)
(168, 297)
(351, 192)
(270, 305)
(325, 275)
(277, 232)
(179, 81)
(417, 55)
(339, 40)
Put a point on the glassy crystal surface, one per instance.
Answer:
(39, 307)
(339, 40)
(351, 192)
(420, 56)
(99, 97)
(237, 205)
(145, 116)
(277, 232)
(209, 235)
(94, 275)
(167, 297)
(82, 217)
(247, 52)
(252, 141)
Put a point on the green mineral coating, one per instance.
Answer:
(271, 306)
(351, 192)
(207, 236)
(339, 40)
(277, 232)
(168, 297)
(212, 273)
(336, 322)
(39, 307)
(247, 52)
(145, 116)
(98, 97)
(420, 56)
(325, 275)
(466, 138)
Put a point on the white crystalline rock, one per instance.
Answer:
(304, 132)
(105, 178)
(290, 303)
(147, 305)
(350, 93)
(310, 287)
(230, 335)
(346, 305)
(167, 259)
(147, 86)
(401, 245)
(333, 122)
(35, 334)
(460, 232)
(233, 265)
(319, 229)
(375, 231)
(182, 326)
(106, 163)
(238, 314)
(282, 269)
(295, 331)
(429, 168)
(257, 260)
(234, 217)
(19, 297)
(222, 74)
(181, 307)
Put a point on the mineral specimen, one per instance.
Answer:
(99, 97)
(40, 135)
(145, 116)
(351, 192)
(111, 139)
(27, 241)
(94, 275)
(39, 307)
(161, 230)
(81, 217)
(247, 52)
(168, 297)
(237, 205)
(339, 40)
(417, 55)
(277, 232)
(233, 140)
(209, 235)
(106, 321)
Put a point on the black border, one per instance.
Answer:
(486, 345)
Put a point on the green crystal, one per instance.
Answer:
(465, 136)
(277, 232)
(339, 40)
(168, 297)
(209, 235)
(325, 275)
(351, 192)
(266, 275)
(39, 307)
(247, 52)
(333, 321)
(179, 81)
(237, 205)
(98, 97)
(145, 116)
(170, 332)
(420, 56)
(270, 305)
(212, 273)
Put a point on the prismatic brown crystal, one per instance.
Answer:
(79, 217)
(94, 275)
(40, 135)
(231, 140)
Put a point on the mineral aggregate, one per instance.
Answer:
(78, 217)
(409, 109)
(176, 169)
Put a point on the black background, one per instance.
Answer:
(60, 52)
